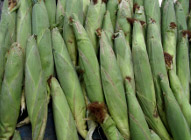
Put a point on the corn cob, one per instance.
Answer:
(16, 135)
(109, 127)
(139, 129)
(3, 32)
(108, 28)
(154, 136)
(182, 62)
(40, 19)
(180, 96)
(35, 90)
(144, 82)
(177, 123)
(113, 86)
(89, 62)
(64, 121)
(24, 23)
(11, 92)
(60, 9)
(44, 44)
(140, 15)
(152, 10)
(86, 4)
(124, 57)
(94, 18)
(76, 7)
(181, 19)
(185, 6)
(71, 88)
(169, 29)
(51, 10)
(157, 63)
(123, 13)
(112, 7)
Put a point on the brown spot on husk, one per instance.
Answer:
(49, 80)
(173, 25)
(98, 110)
(104, 1)
(128, 78)
(132, 20)
(95, 2)
(135, 6)
(168, 59)
(12, 4)
(156, 115)
(98, 32)
(186, 32)
(71, 19)
(152, 20)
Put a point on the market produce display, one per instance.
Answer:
(120, 65)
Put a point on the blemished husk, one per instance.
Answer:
(16, 135)
(11, 92)
(124, 57)
(123, 13)
(152, 10)
(60, 9)
(177, 123)
(100, 114)
(144, 82)
(69, 81)
(89, 62)
(76, 7)
(182, 62)
(40, 20)
(181, 97)
(113, 86)
(64, 121)
(24, 26)
(107, 27)
(155, 53)
(94, 19)
(35, 90)
(139, 129)
(44, 44)
(51, 10)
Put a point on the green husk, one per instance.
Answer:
(60, 9)
(94, 19)
(152, 10)
(185, 6)
(108, 28)
(139, 129)
(89, 63)
(51, 10)
(181, 19)
(113, 86)
(189, 21)
(76, 7)
(140, 15)
(124, 57)
(44, 44)
(69, 81)
(24, 26)
(144, 82)
(3, 33)
(11, 92)
(112, 7)
(177, 123)
(16, 135)
(63, 119)
(180, 96)
(182, 62)
(35, 90)
(86, 4)
(154, 136)
(123, 13)
(99, 112)
(157, 63)
(40, 20)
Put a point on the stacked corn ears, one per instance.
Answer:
(122, 65)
